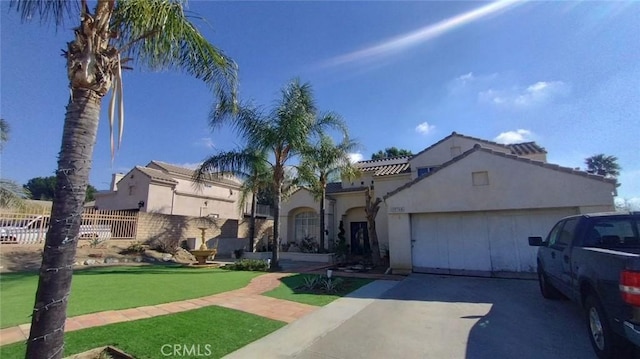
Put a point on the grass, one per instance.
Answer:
(214, 331)
(289, 289)
(110, 288)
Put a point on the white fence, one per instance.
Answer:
(29, 227)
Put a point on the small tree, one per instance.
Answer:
(371, 209)
(390, 152)
(321, 162)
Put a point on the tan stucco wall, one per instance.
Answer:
(441, 153)
(513, 184)
(160, 199)
(121, 199)
(400, 243)
(366, 179)
(186, 199)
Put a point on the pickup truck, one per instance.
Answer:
(594, 260)
(32, 229)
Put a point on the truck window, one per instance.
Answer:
(552, 239)
(568, 231)
(614, 232)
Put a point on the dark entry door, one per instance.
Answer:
(359, 238)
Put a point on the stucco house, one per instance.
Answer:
(160, 187)
(462, 205)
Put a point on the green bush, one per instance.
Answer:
(133, 248)
(256, 265)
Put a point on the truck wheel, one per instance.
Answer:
(547, 289)
(606, 343)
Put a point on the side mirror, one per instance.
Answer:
(535, 241)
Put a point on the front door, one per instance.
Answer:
(359, 238)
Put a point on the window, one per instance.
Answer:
(562, 234)
(480, 178)
(613, 232)
(307, 225)
(425, 170)
(553, 235)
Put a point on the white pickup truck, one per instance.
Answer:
(34, 228)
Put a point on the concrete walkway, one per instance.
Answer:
(247, 299)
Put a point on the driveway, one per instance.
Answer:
(433, 316)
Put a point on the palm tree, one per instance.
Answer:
(252, 166)
(322, 162)
(285, 132)
(603, 165)
(11, 193)
(156, 34)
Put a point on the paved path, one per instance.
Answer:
(247, 299)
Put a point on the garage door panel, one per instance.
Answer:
(480, 242)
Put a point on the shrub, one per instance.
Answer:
(134, 248)
(238, 253)
(311, 283)
(309, 245)
(249, 265)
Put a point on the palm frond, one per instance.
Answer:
(12, 194)
(48, 11)
(159, 35)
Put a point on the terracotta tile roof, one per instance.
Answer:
(477, 147)
(336, 187)
(188, 172)
(156, 175)
(385, 166)
(526, 148)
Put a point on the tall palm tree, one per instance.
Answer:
(251, 165)
(285, 132)
(323, 161)
(156, 34)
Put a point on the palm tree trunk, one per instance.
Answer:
(252, 222)
(322, 224)
(275, 249)
(46, 338)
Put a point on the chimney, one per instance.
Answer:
(114, 180)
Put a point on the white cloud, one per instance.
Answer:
(205, 142)
(516, 136)
(425, 128)
(356, 157)
(519, 97)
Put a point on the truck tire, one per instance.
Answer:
(547, 289)
(605, 342)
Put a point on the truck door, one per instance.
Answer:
(559, 254)
(567, 236)
(553, 255)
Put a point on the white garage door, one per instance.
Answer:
(479, 243)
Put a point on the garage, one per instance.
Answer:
(480, 243)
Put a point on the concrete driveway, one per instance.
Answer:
(433, 316)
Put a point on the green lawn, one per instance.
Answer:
(109, 288)
(214, 331)
(289, 289)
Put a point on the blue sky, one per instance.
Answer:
(404, 74)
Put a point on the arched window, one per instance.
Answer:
(307, 225)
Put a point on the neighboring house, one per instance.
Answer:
(164, 188)
(463, 205)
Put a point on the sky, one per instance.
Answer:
(403, 74)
